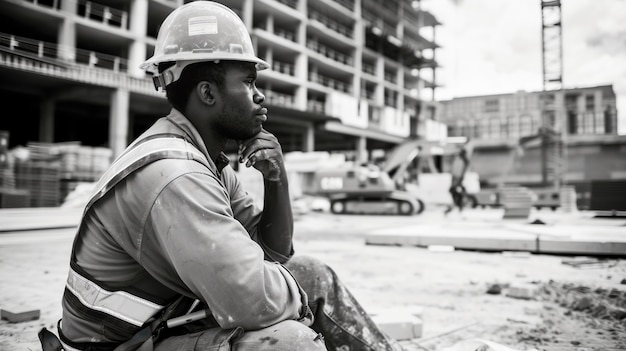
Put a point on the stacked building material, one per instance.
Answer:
(7, 180)
(4, 149)
(517, 201)
(41, 179)
(10, 197)
(53, 170)
(83, 163)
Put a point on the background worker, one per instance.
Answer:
(460, 165)
(170, 230)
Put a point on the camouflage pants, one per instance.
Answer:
(338, 315)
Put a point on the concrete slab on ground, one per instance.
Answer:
(549, 239)
(34, 218)
(490, 239)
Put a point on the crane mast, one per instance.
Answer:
(553, 146)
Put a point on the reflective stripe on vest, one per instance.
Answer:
(143, 154)
(123, 305)
(119, 304)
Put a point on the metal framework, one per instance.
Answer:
(551, 44)
(553, 149)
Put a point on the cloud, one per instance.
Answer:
(494, 46)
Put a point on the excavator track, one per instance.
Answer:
(376, 205)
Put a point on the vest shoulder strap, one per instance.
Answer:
(158, 147)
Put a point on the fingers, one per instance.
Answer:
(264, 153)
(259, 155)
(264, 146)
(255, 152)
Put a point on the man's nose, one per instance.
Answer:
(259, 97)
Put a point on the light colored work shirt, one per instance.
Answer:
(176, 226)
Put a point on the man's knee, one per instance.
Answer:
(314, 276)
(306, 267)
(286, 335)
(306, 263)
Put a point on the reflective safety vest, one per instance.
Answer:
(118, 309)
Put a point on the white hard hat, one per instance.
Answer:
(200, 31)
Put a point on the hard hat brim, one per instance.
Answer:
(151, 64)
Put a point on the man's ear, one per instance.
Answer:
(206, 92)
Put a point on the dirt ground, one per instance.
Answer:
(575, 306)
(463, 295)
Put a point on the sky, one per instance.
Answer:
(494, 47)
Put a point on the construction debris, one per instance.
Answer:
(494, 289)
(479, 345)
(400, 324)
(589, 262)
(17, 317)
(526, 292)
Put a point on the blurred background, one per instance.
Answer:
(372, 100)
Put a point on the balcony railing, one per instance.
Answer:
(92, 11)
(38, 49)
(330, 82)
(79, 65)
(349, 4)
(367, 68)
(331, 24)
(51, 51)
(289, 35)
(291, 3)
(104, 14)
(283, 67)
(332, 54)
(315, 106)
(279, 99)
(54, 4)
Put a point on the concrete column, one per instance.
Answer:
(361, 149)
(301, 74)
(379, 92)
(269, 51)
(139, 30)
(309, 138)
(118, 121)
(581, 114)
(247, 12)
(67, 33)
(269, 23)
(301, 69)
(46, 121)
(359, 37)
(598, 115)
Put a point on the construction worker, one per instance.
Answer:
(171, 252)
(460, 164)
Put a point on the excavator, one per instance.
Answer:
(384, 187)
